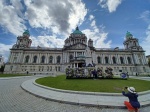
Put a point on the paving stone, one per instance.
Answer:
(14, 99)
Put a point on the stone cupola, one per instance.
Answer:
(76, 37)
(23, 41)
(131, 42)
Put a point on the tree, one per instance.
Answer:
(2, 68)
(149, 62)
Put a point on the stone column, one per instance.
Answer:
(109, 59)
(143, 62)
(136, 59)
(20, 58)
(39, 58)
(117, 59)
(11, 56)
(145, 59)
(125, 57)
(55, 59)
(46, 58)
(74, 54)
(31, 56)
(62, 57)
(94, 56)
(132, 61)
(23, 60)
(74, 65)
(66, 56)
(103, 59)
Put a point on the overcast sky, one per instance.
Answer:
(50, 22)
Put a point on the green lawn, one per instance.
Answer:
(99, 85)
(13, 75)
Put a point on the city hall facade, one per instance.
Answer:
(40, 60)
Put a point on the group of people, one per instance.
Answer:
(99, 73)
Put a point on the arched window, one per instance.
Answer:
(47, 68)
(98, 59)
(15, 59)
(121, 60)
(58, 59)
(144, 69)
(134, 43)
(127, 45)
(34, 59)
(42, 59)
(51, 59)
(140, 60)
(129, 60)
(106, 60)
(114, 60)
(70, 58)
(27, 59)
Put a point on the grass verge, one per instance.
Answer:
(98, 85)
(13, 75)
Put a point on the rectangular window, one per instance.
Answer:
(58, 68)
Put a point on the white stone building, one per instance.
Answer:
(24, 58)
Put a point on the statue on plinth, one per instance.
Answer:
(88, 59)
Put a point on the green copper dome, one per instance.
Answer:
(77, 31)
(129, 35)
(26, 33)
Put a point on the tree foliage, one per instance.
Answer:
(2, 68)
(149, 62)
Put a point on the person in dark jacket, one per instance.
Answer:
(133, 105)
(94, 72)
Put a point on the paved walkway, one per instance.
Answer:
(114, 100)
(14, 99)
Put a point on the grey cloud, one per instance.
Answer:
(55, 13)
(30, 14)
(60, 14)
(10, 20)
(38, 3)
(18, 7)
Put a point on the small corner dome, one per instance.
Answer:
(77, 31)
(26, 32)
(128, 35)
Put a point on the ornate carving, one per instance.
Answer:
(77, 46)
